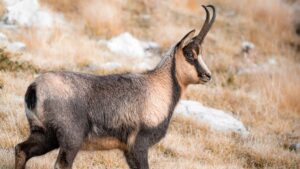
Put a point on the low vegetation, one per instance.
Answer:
(261, 87)
(7, 64)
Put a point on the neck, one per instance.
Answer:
(163, 92)
(165, 73)
(164, 68)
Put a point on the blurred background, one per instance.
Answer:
(248, 116)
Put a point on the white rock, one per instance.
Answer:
(27, 13)
(16, 46)
(42, 19)
(21, 11)
(272, 61)
(127, 45)
(216, 119)
(111, 65)
(10, 2)
(3, 38)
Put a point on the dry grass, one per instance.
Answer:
(7, 62)
(2, 8)
(264, 96)
(59, 49)
(107, 21)
(100, 18)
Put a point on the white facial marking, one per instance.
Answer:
(203, 65)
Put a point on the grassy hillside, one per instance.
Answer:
(261, 87)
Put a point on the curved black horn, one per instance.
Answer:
(207, 24)
(197, 39)
(213, 17)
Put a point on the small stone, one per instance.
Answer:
(295, 147)
(3, 37)
(247, 46)
(272, 61)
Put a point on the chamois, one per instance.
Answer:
(131, 112)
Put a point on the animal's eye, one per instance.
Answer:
(188, 54)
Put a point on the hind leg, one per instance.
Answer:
(70, 142)
(66, 157)
(37, 144)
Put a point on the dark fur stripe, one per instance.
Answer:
(30, 96)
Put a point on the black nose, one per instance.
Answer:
(208, 75)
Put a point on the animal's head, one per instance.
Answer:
(190, 66)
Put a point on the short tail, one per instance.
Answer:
(31, 101)
(30, 96)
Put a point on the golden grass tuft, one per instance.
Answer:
(60, 48)
(65, 6)
(2, 8)
(102, 17)
(8, 64)
(281, 88)
(266, 23)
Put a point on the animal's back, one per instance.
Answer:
(107, 100)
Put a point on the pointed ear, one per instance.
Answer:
(186, 39)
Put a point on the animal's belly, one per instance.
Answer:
(104, 143)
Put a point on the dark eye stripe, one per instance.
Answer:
(190, 48)
(189, 57)
(199, 69)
